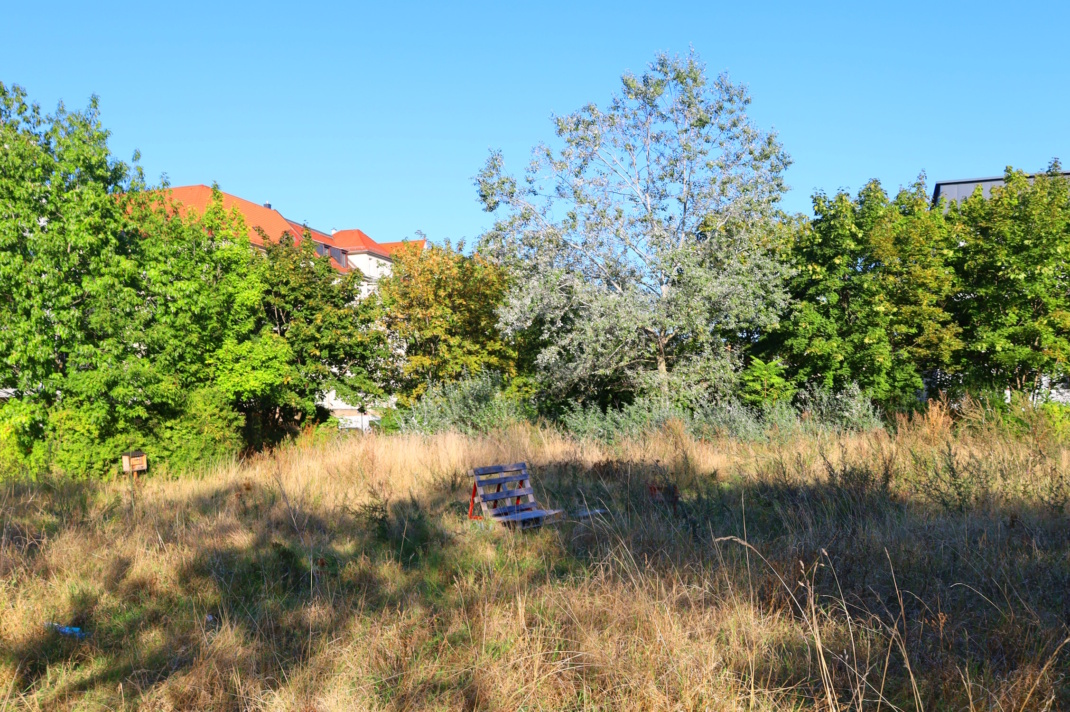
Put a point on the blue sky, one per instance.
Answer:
(378, 115)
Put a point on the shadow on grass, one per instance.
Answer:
(983, 590)
(270, 586)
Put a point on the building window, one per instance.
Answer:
(322, 249)
(339, 256)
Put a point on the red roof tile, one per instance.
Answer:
(272, 222)
(198, 197)
(298, 230)
(391, 247)
(356, 241)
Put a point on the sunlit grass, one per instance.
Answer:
(918, 570)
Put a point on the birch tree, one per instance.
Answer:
(638, 240)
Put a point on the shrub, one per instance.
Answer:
(473, 405)
(209, 430)
(731, 419)
(820, 410)
(610, 425)
(845, 410)
(21, 425)
(764, 382)
(83, 440)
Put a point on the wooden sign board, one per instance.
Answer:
(135, 461)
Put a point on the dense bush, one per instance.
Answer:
(473, 405)
(480, 404)
(127, 322)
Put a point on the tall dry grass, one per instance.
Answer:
(927, 568)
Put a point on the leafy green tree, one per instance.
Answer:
(201, 285)
(870, 291)
(126, 323)
(637, 247)
(69, 276)
(317, 335)
(917, 283)
(1010, 253)
(200, 292)
(764, 382)
(441, 310)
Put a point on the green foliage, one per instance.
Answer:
(973, 296)
(1057, 419)
(125, 322)
(208, 430)
(632, 420)
(201, 285)
(1042, 421)
(628, 280)
(638, 245)
(441, 309)
(816, 410)
(871, 291)
(68, 267)
(473, 405)
(1013, 302)
(329, 330)
(765, 383)
(71, 288)
(845, 410)
(257, 371)
(21, 427)
(390, 420)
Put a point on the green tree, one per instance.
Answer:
(317, 335)
(870, 292)
(638, 247)
(764, 382)
(201, 285)
(1013, 303)
(125, 323)
(441, 310)
(69, 277)
(200, 293)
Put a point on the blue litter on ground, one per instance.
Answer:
(69, 631)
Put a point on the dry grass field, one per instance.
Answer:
(919, 569)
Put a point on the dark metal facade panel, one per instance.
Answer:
(958, 189)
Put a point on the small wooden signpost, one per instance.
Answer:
(135, 461)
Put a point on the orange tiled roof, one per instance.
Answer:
(391, 247)
(270, 221)
(357, 241)
(298, 230)
(273, 224)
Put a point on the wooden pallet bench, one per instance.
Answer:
(505, 495)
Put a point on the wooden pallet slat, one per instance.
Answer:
(531, 514)
(505, 509)
(505, 494)
(516, 466)
(502, 480)
(514, 506)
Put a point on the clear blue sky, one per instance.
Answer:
(378, 115)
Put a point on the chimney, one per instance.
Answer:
(267, 205)
(333, 231)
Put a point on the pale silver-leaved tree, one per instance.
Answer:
(639, 242)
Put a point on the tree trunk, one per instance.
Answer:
(663, 367)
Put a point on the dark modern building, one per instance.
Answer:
(958, 189)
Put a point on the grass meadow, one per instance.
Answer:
(922, 567)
